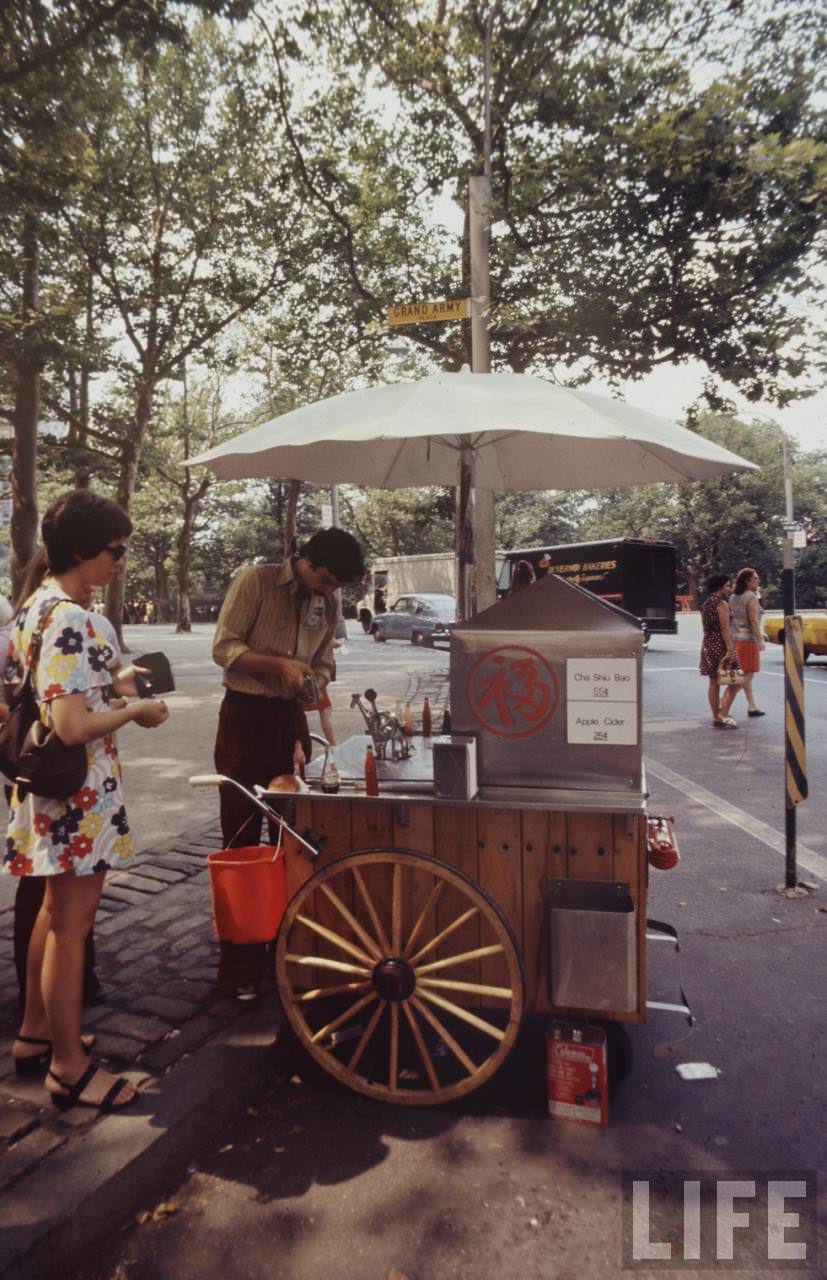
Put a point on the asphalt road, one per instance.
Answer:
(315, 1182)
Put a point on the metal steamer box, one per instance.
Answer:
(455, 767)
(549, 683)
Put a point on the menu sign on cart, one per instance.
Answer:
(601, 701)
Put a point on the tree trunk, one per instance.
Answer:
(293, 487)
(26, 414)
(130, 452)
(184, 543)
(163, 610)
(82, 476)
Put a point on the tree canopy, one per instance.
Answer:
(659, 174)
(187, 194)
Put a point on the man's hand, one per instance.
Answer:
(292, 672)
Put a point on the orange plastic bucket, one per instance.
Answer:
(249, 893)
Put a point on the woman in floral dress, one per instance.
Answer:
(73, 842)
(717, 647)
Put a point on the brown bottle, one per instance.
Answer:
(446, 721)
(371, 776)
(426, 719)
(407, 722)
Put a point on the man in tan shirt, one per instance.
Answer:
(276, 626)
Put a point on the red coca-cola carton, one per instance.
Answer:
(577, 1072)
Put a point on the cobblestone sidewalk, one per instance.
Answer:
(157, 959)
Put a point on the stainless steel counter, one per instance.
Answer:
(411, 781)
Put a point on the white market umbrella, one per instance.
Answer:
(517, 431)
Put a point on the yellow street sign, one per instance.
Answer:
(429, 312)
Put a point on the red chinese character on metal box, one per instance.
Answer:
(513, 691)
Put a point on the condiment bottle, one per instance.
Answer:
(407, 722)
(426, 718)
(371, 776)
(446, 721)
(330, 772)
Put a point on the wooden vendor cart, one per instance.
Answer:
(432, 921)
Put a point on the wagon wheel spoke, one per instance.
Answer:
(321, 993)
(371, 910)
(348, 1014)
(442, 1031)
(464, 957)
(419, 1040)
(336, 939)
(393, 1060)
(396, 910)
(365, 1037)
(433, 898)
(361, 933)
(471, 988)
(464, 1014)
(322, 962)
(446, 933)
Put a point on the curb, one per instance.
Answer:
(127, 1161)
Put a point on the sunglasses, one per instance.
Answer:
(117, 552)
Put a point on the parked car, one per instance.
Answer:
(813, 630)
(423, 619)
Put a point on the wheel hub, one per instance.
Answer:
(394, 980)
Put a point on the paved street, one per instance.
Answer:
(303, 1180)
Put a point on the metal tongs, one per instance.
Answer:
(255, 797)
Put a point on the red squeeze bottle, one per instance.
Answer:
(426, 719)
(371, 776)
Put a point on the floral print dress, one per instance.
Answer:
(88, 832)
(713, 648)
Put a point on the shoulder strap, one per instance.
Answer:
(36, 641)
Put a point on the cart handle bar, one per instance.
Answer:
(218, 779)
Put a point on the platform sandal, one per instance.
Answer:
(71, 1098)
(37, 1064)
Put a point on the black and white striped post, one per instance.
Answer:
(795, 751)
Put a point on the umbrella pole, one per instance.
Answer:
(464, 535)
(481, 503)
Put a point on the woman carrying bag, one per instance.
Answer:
(73, 842)
(718, 649)
(745, 608)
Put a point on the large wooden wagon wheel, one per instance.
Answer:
(400, 977)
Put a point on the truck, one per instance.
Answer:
(394, 576)
(637, 574)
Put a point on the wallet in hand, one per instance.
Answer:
(159, 679)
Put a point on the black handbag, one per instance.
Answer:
(31, 754)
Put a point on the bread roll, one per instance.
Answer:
(286, 782)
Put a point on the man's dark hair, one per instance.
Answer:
(715, 583)
(336, 551)
(78, 525)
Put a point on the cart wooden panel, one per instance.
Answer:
(512, 854)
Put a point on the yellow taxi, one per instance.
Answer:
(813, 626)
